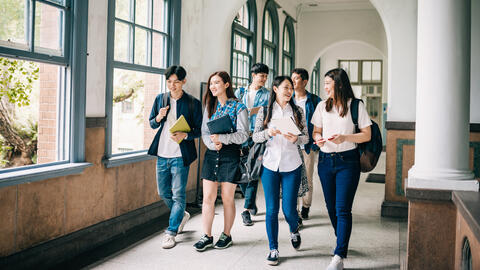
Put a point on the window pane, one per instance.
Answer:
(159, 51)
(286, 66)
(159, 15)
(122, 42)
(367, 71)
(122, 9)
(141, 44)
(142, 16)
(286, 40)
(60, 2)
(131, 130)
(353, 72)
(242, 17)
(32, 113)
(376, 71)
(268, 27)
(48, 25)
(13, 29)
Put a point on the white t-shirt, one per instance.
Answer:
(331, 124)
(301, 102)
(168, 148)
(251, 98)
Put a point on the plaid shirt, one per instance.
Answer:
(232, 108)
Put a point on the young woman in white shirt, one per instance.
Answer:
(281, 162)
(338, 161)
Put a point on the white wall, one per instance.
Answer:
(97, 57)
(351, 50)
(319, 30)
(475, 64)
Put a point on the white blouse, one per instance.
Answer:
(332, 123)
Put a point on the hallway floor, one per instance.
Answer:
(376, 243)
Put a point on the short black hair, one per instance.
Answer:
(259, 68)
(302, 72)
(177, 70)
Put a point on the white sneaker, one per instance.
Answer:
(336, 263)
(186, 217)
(168, 241)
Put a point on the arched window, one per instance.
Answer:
(315, 79)
(288, 46)
(270, 40)
(243, 44)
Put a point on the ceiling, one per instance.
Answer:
(328, 5)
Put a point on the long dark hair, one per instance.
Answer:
(209, 100)
(273, 97)
(342, 91)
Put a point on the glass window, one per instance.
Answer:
(140, 35)
(35, 96)
(288, 47)
(243, 34)
(270, 40)
(141, 54)
(133, 96)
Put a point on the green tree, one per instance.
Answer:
(18, 141)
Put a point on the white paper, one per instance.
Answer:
(285, 125)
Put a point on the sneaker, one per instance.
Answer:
(253, 211)
(296, 239)
(304, 212)
(204, 243)
(272, 258)
(300, 222)
(247, 220)
(186, 217)
(168, 241)
(224, 241)
(336, 263)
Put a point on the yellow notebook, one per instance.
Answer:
(180, 125)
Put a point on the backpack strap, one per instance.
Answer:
(354, 112)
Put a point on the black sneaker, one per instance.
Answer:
(304, 212)
(224, 241)
(247, 220)
(300, 222)
(204, 243)
(253, 211)
(296, 239)
(272, 258)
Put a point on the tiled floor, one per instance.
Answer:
(376, 243)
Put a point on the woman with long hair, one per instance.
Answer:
(222, 157)
(339, 160)
(282, 162)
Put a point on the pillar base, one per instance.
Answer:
(394, 209)
(442, 184)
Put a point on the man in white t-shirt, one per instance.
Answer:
(308, 102)
(174, 151)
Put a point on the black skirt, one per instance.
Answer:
(222, 166)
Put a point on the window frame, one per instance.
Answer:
(288, 27)
(74, 58)
(173, 21)
(271, 7)
(249, 34)
(316, 70)
(360, 80)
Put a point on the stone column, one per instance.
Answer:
(443, 97)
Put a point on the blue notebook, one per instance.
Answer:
(222, 125)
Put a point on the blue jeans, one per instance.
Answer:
(339, 174)
(172, 179)
(290, 182)
(250, 191)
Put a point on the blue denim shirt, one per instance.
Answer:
(261, 99)
(310, 106)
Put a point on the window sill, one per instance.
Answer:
(127, 159)
(42, 173)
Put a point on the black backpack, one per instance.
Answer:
(369, 151)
